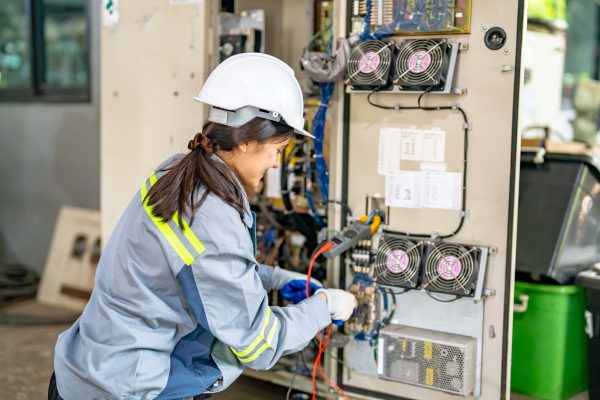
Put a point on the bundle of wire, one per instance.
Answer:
(317, 368)
(326, 91)
(374, 219)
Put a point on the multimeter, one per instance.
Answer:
(348, 238)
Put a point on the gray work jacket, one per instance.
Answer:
(179, 312)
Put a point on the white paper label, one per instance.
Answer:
(412, 145)
(441, 190)
(402, 189)
(434, 145)
(390, 140)
(421, 189)
(110, 12)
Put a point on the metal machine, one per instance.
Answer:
(422, 131)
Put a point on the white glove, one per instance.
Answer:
(282, 276)
(341, 303)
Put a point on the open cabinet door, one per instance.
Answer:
(427, 132)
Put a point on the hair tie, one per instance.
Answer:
(200, 140)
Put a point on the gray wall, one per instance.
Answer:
(49, 157)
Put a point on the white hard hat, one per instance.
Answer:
(251, 85)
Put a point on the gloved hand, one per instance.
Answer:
(282, 276)
(341, 303)
(295, 290)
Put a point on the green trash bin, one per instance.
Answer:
(549, 345)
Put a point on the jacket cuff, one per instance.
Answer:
(321, 311)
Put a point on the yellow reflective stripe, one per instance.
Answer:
(257, 340)
(265, 346)
(189, 234)
(166, 230)
(153, 179)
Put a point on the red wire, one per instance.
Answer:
(327, 246)
(322, 344)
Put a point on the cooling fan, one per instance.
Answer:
(423, 64)
(452, 269)
(370, 64)
(398, 262)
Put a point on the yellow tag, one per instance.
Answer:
(404, 345)
(429, 376)
(428, 350)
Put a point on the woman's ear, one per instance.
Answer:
(243, 147)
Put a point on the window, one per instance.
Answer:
(44, 50)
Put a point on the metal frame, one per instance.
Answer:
(37, 91)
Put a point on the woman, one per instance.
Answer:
(180, 304)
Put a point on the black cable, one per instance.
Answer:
(289, 391)
(344, 206)
(440, 300)
(304, 362)
(388, 319)
(419, 106)
(16, 283)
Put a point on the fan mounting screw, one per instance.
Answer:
(484, 28)
(507, 51)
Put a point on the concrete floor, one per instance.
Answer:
(26, 353)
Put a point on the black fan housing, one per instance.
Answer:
(370, 64)
(421, 64)
(398, 262)
(452, 269)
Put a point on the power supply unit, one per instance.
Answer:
(421, 357)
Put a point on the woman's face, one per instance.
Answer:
(251, 160)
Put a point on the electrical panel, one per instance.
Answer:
(423, 124)
(405, 17)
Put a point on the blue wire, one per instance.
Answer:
(326, 91)
(309, 198)
(384, 31)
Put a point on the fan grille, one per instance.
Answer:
(419, 62)
(397, 262)
(370, 62)
(450, 269)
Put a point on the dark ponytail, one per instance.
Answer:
(176, 189)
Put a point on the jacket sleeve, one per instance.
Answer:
(238, 314)
(266, 273)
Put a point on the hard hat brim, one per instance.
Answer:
(303, 133)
